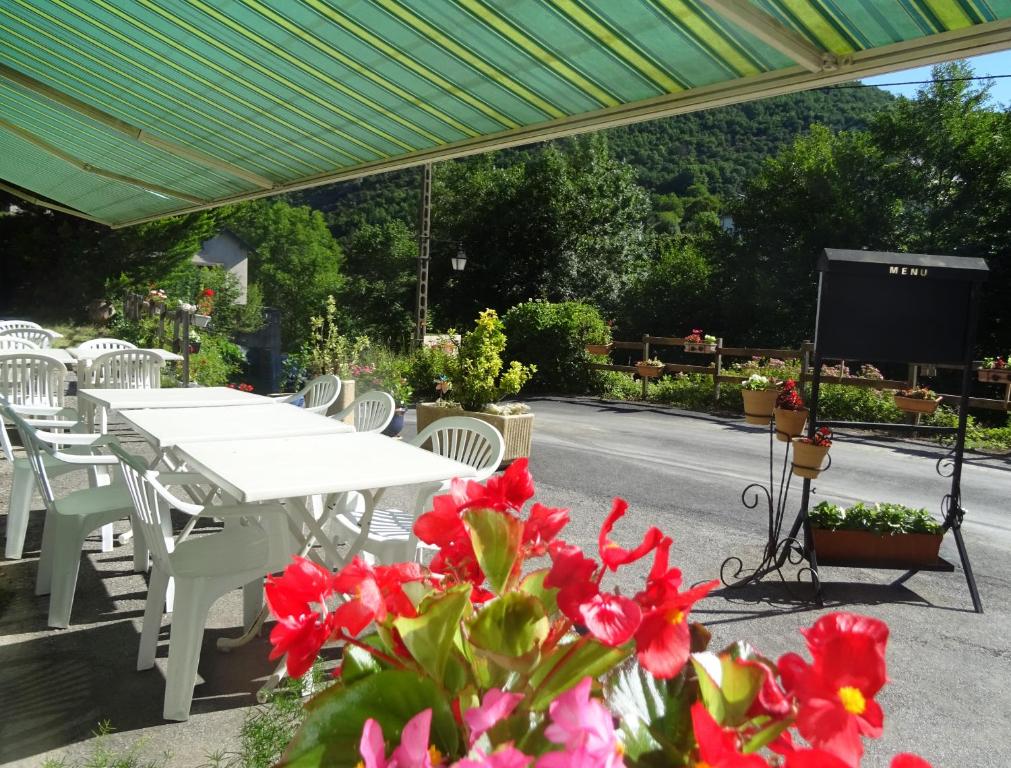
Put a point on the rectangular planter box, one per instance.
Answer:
(916, 405)
(703, 348)
(903, 548)
(995, 375)
(517, 431)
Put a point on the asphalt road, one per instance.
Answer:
(950, 693)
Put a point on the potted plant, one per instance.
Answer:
(697, 341)
(205, 305)
(875, 533)
(995, 370)
(330, 351)
(478, 379)
(649, 369)
(599, 349)
(917, 400)
(759, 394)
(514, 649)
(402, 393)
(194, 342)
(810, 452)
(790, 413)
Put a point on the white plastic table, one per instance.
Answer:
(90, 354)
(116, 400)
(63, 355)
(164, 428)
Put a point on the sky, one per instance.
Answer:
(991, 64)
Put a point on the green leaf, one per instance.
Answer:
(430, 635)
(766, 736)
(510, 630)
(333, 726)
(728, 687)
(496, 537)
(533, 584)
(569, 664)
(357, 663)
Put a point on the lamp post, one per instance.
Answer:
(460, 260)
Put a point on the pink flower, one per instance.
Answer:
(505, 757)
(496, 706)
(584, 727)
(413, 751)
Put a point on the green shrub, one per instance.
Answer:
(480, 376)
(217, 362)
(424, 366)
(693, 391)
(841, 403)
(552, 337)
(615, 385)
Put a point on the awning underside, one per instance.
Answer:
(126, 110)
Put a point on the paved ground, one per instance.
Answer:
(951, 668)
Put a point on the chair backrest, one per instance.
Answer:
(126, 369)
(9, 324)
(32, 378)
(9, 343)
(321, 393)
(151, 502)
(39, 336)
(105, 345)
(373, 411)
(465, 439)
(34, 449)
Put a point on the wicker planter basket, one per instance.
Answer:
(808, 459)
(995, 375)
(517, 430)
(649, 371)
(705, 349)
(759, 405)
(916, 405)
(789, 424)
(599, 349)
(902, 549)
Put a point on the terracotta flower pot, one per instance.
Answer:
(759, 405)
(808, 458)
(599, 349)
(789, 424)
(995, 375)
(649, 371)
(900, 549)
(915, 404)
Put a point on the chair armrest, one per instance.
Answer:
(90, 459)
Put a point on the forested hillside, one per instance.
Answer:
(718, 149)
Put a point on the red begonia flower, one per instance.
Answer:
(662, 582)
(373, 593)
(611, 619)
(572, 574)
(614, 555)
(718, 747)
(300, 637)
(303, 584)
(771, 699)
(663, 641)
(906, 760)
(836, 691)
(542, 526)
(813, 758)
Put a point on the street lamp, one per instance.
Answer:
(460, 260)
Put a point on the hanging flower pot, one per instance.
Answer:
(759, 394)
(809, 453)
(599, 349)
(790, 424)
(917, 400)
(649, 369)
(703, 343)
(201, 321)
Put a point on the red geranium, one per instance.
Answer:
(718, 747)
(614, 555)
(298, 599)
(789, 398)
(836, 691)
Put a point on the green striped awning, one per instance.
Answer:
(129, 110)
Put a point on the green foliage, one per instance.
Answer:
(295, 259)
(424, 366)
(857, 404)
(217, 362)
(882, 517)
(386, 370)
(479, 374)
(614, 385)
(552, 337)
(328, 350)
(100, 755)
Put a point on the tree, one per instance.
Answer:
(295, 260)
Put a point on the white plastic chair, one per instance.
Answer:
(41, 336)
(256, 541)
(14, 344)
(320, 393)
(23, 481)
(387, 535)
(8, 324)
(123, 369)
(105, 345)
(32, 378)
(373, 411)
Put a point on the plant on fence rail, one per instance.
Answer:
(483, 659)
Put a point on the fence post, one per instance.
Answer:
(184, 347)
(719, 368)
(645, 356)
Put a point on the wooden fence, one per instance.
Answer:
(173, 331)
(804, 353)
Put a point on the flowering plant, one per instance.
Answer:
(993, 362)
(157, 295)
(756, 382)
(698, 336)
(918, 393)
(651, 362)
(789, 398)
(482, 659)
(205, 303)
(822, 437)
(241, 387)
